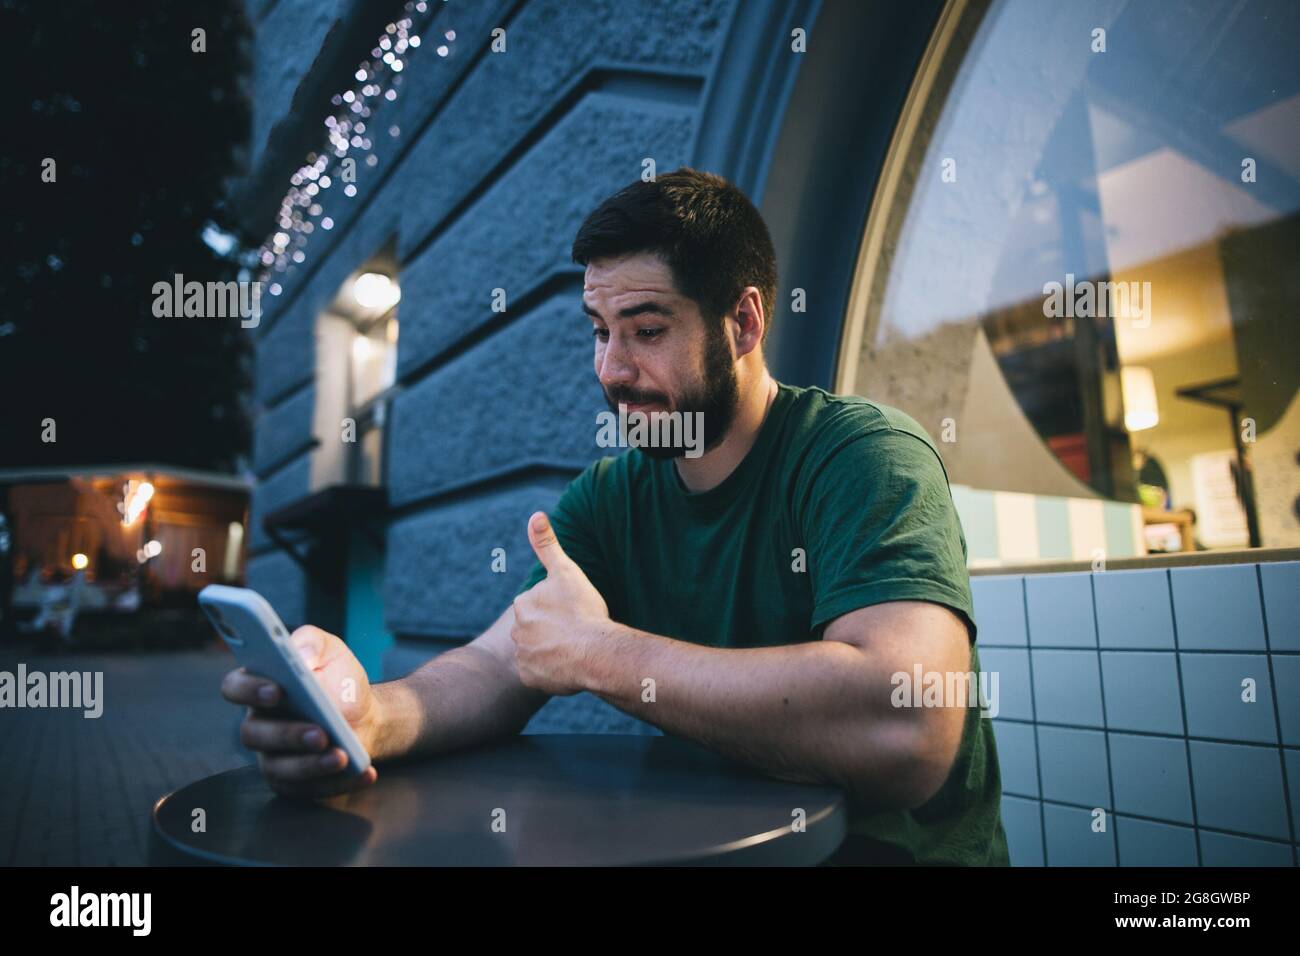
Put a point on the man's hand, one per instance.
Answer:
(295, 755)
(557, 620)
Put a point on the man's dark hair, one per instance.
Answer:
(707, 231)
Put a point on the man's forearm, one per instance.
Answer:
(461, 698)
(811, 712)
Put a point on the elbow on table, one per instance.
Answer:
(921, 754)
(924, 778)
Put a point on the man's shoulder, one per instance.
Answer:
(606, 472)
(828, 421)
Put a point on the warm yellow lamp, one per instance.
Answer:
(1139, 389)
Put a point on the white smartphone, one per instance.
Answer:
(253, 631)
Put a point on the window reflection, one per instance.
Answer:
(1082, 273)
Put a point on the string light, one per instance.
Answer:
(305, 203)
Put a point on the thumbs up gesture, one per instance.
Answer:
(558, 620)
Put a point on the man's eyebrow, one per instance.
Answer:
(648, 307)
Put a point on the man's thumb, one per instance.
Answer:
(545, 544)
(310, 643)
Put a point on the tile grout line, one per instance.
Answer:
(1277, 716)
(1207, 651)
(1182, 824)
(1157, 734)
(1105, 718)
(1033, 710)
(1182, 706)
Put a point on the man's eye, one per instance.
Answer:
(649, 333)
(601, 334)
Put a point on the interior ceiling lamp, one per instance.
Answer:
(1139, 389)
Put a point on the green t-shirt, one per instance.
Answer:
(840, 503)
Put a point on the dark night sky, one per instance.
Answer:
(144, 132)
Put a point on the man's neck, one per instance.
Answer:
(711, 469)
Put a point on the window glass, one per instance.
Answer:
(356, 365)
(1082, 271)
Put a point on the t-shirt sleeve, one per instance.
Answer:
(879, 524)
(574, 519)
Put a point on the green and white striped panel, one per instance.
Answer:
(1007, 527)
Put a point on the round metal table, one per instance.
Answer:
(531, 800)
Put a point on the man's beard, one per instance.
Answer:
(716, 397)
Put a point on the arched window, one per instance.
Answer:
(1081, 271)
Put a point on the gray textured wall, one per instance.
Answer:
(499, 158)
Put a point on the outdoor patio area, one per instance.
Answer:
(80, 789)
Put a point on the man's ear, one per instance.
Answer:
(750, 321)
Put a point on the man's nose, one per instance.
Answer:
(615, 366)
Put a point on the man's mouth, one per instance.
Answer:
(645, 405)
